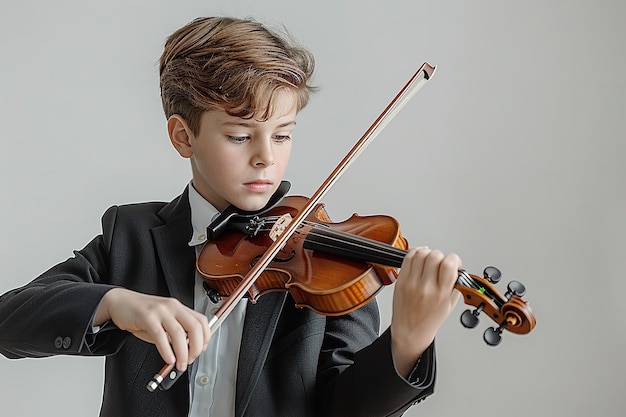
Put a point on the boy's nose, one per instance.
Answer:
(264, 155)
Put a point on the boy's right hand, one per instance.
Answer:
(179, 333)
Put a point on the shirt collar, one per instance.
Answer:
(202, 214)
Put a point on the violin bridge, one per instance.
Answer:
(280, 226)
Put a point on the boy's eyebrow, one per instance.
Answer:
(250, 124)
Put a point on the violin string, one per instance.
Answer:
(388, 251)
(348, 242)
(468, 281)
(385, 253)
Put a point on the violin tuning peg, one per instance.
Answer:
(493, 336)
(469, 319)
(515, 288)
(492, 274)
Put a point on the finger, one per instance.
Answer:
(206, 330)
(456, 296)
(196, 327)
(449, 270)
(178, 341)
(431, 268)
(413, 263)
(162, 343)
(203, 320)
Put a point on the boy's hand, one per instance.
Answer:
(179, 333)
(423, 298)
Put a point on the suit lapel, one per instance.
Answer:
(258, 331)
(177, 258)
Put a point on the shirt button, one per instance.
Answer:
(203, 380)
(58, 342)
(67, 342)
(202, 238)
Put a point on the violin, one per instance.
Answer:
(335, 268)
(331, 268)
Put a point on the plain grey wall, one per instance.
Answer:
(511, 156)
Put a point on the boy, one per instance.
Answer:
(231, 91)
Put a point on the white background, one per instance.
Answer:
(512, 155)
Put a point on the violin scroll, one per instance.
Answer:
(509, 311)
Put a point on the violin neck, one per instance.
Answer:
(358, 248)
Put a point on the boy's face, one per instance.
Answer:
(238, 161)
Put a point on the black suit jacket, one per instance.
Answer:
(293, 362)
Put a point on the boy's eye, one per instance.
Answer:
(238, 139)
(282, 138)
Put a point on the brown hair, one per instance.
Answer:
(235, 65)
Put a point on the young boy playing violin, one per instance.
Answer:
(231, 91)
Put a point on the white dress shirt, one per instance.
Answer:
(213, 375)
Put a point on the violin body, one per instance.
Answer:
(335, 268)
(319, 280)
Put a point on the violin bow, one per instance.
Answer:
(166, 377)
(417, 81)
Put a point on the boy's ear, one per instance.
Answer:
(180, 135)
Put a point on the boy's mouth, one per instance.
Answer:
(259, 186)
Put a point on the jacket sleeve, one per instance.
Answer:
(52, 315)
(366, 383)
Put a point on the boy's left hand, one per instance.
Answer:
(423, 298)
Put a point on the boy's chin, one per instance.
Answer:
(253, 204)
